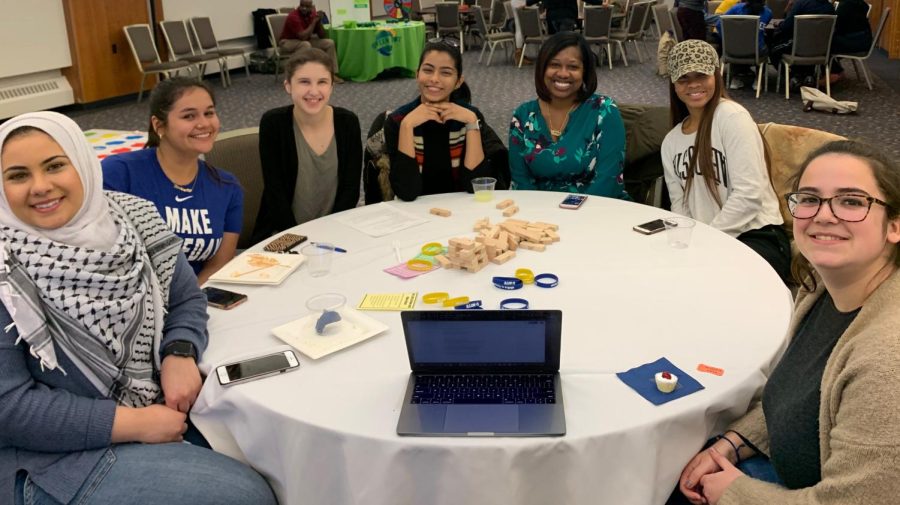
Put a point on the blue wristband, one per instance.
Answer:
(474, 304)
(514, 304)
(546, 281)
(508, 283)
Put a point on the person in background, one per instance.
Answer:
(202, 204)
(691, 16)
(714, 158)
(311, 151)
(748, 8)
(826, 430)
(852, 33)
(303, 28)
(561, 15)
(568, 139)
(783, 39)
(104, 323)
(435, 142)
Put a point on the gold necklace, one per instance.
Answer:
(554, 132)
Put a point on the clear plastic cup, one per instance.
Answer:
(326, 307)
(484, 188)
(678, 231)
(318, 258)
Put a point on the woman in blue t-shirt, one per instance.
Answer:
(203, 205)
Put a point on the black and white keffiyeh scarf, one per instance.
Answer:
(103, 309)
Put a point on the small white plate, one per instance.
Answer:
(354, 327)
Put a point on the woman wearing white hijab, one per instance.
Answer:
(102, 324)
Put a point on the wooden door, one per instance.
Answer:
(102, 63)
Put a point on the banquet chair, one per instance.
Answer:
(238, 152)
(140, 39)
(634, 28)
(208, 43)
(597, 26)
(676, 26)
(492, 39)
(862, 57)
(663, 21)
(497, 15)
(812, 46)
(740, 46)
(180, 49)
(275, 22)
(448, 21)
(529, 19)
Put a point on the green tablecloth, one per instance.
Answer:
(364, 53)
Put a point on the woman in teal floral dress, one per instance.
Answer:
(569, 139)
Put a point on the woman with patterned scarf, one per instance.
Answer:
(102, 322)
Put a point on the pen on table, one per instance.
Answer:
(397, 252)
(328, 246)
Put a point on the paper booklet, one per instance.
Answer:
(258, 268)
(354, 327)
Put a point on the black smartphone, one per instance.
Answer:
(285, 243)
(223, 299)
(651, 227)
(256, 368)
(573, 201)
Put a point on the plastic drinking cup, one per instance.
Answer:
(678, 231)
(484, 188)
(318, 258)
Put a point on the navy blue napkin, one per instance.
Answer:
(642, 379)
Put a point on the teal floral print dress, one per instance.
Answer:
(587, 158)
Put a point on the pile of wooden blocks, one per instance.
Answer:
(497, 243)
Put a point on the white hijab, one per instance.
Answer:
(92, 226)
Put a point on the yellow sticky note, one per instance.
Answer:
(388, 301)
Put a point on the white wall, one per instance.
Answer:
(231, 19)
(32, 37)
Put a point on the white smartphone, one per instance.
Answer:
(255, 368)
(650, 227)
(573, 201)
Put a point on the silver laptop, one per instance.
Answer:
(483, 373)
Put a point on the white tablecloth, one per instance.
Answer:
(326, 434)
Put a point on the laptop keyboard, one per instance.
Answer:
(490, 389)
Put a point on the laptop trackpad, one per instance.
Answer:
(482, 418)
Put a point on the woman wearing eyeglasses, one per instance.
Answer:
(827, 428)
(714, 158)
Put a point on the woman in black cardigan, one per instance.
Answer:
(311, 152)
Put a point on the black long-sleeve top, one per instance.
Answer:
(278, 154)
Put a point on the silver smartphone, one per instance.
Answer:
(651, 227)
(256, 368)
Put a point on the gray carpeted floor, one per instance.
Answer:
(498, 89)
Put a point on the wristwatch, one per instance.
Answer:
(473, 126)
(181, 348)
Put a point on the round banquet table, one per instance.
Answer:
(326, 434)
(364, 52)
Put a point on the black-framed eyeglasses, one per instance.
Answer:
(851, 208)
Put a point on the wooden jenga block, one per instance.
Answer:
(440, 212)
(512, 242)
(462, 243)
(503, 236)
(532, 246)
(548, 226)
(546, 240)
(516, 222)
(505, 203)
(510, 211)
(552, 234)
(443, 260)
(503, 258)
(531, 236)
(494, 231)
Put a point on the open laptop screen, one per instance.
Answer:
(462, 341)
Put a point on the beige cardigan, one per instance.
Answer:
(859, 415)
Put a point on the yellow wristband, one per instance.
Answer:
(525, 275)
(435, 297)
(419, 265)
(453, 302)
(432, 249)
